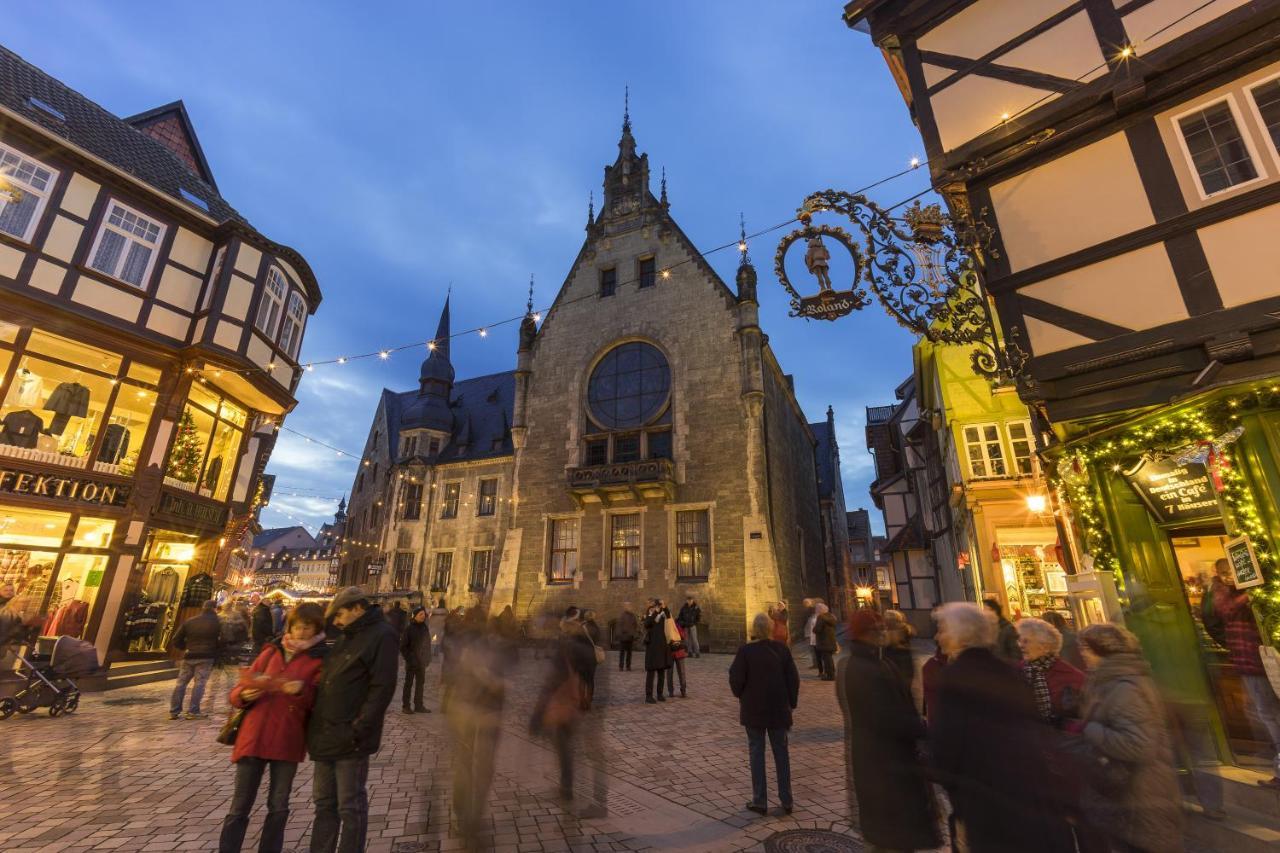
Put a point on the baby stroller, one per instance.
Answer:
(49, 670)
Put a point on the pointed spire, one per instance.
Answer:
(663, 197)
(626, 109)
(746, 277)
(441, 340)
(591, 208)
(528, 326)
(529, 306)
(745, 259)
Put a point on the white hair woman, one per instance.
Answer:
(1056, 684)
(988, 743)
(764, 678)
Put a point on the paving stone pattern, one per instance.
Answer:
(118, 775)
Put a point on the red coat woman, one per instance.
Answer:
(273, 732)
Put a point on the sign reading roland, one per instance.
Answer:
(1176, 494)
(63, 488)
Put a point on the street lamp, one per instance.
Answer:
(1036, 503)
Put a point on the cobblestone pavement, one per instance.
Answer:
(117, 775)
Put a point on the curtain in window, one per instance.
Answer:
(135, 264)
(16, 216)
(109, 249)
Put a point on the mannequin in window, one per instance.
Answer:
(211, 475)
(28, 386)
(69, 619)
(68, 400)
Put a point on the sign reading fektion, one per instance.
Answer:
(70, 489)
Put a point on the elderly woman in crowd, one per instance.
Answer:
(989, 744)
(1131, 794)
(1056, 684)
(897, 645)
(763, 676)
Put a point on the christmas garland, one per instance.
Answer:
(1207, 429)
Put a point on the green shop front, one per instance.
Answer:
(1153, 502)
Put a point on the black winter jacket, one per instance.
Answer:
(628, 627)
(356, 685)
(689, 615)
(200, 637)
(764, 678)
(415, 644)
(263, 625)
(824, 633)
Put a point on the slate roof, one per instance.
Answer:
(825, 437)
(268, 536)
(482, 409)
(909, 538)
(105, 135)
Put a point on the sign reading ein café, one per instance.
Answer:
(62, 488)
(1176, 494)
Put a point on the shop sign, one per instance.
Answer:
(375, 568)
(1175, 493)
(1244, 563)
(63, 488)
(93, 577)
(186, 511)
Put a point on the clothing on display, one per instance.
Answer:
(198, 590)
(115, 444)
(70, 399)
(163, 586)
(211, 476)
(29, 388)
(21, 428)
(68, 620)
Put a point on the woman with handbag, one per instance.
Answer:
(1131, 793)
(272, 704)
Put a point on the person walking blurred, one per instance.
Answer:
(277, 616)
(989, 746)
(1070, 651)
(627, 630)
(357, 684)
(415, 648)
(895, 804)
(810, 615)
(398, 617)
(824, 635)
(474, 715)
(262, 625)
(1005, 642)
(763, 676)
(779, 630)
(200, 641)
(897, 646)
(273, 731)
(676, 643)
(1131, 793)
(657, 653)
(688, 619)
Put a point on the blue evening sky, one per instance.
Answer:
(428, 143)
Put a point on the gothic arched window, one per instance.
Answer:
(628, 406)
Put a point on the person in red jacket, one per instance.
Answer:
(1057, 685)
(273, 733)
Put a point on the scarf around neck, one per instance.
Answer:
(1036, 673)
(293, 647)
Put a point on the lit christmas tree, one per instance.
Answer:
(184, 462)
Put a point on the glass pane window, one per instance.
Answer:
(693, 543)
(52, 411)
(488, 502)
(481, 562)
(564, 549)
(403, 576)
(294, 317)
(646, 268)
(630, 386)
(449, 505)
(72, 597)
(411, 503)
(1218, 151)
(986, 456)
(214, 275)
(626, 448)
(659, 444)
(126, 245)
(29, 572)
(598, 451)
(93, 532)
(624, 545)
(25, 184)
(1267, 99)
(1023, 447)
(33, 527)
(272, 302)
(206, 444)
(444, 568)
(608, 282)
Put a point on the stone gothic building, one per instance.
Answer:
(647, 444)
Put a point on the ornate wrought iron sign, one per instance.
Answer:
(922, 268)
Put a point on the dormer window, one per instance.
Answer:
(294, 317)
(24, 187)
(126, 246)
(272, 303)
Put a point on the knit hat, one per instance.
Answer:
(1105, 639)
(418, 608)
(865, 621)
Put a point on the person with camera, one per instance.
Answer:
(657, 652)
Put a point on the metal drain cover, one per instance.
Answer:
(811, 841)
(131, 700)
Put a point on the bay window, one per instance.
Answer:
(294, 317)
(272, 302)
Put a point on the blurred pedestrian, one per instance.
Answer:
(1131, 792)
(199, 639)
(273, 731)
(679, 651)
(897, 646)
(989, 747)
(235, 631)
(1070, 651)
(896, 808)
(277, 616)
(474, 714)
(398, 617)
(657, 653)
(824, 633)
(1231, 610)
(1005, 642)
(763, 676)
(627, 630)
(1056, 684)
(810, 615)
(357, 683)
(779, 630)
(566, 695)
(262, 625)
(415, 648)
(689, 618)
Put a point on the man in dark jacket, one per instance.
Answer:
(262, 624)
(824, 633)
(200, 641)
(415, 648)
(883, 731)
(356, 685)
(628, 628)
(764, 678)
(689, 617)
(657, 653)
(397, 617)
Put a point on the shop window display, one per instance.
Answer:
(150, 620)
(53, 587)
(62, 399)
(1032, 574)
(206, 444)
